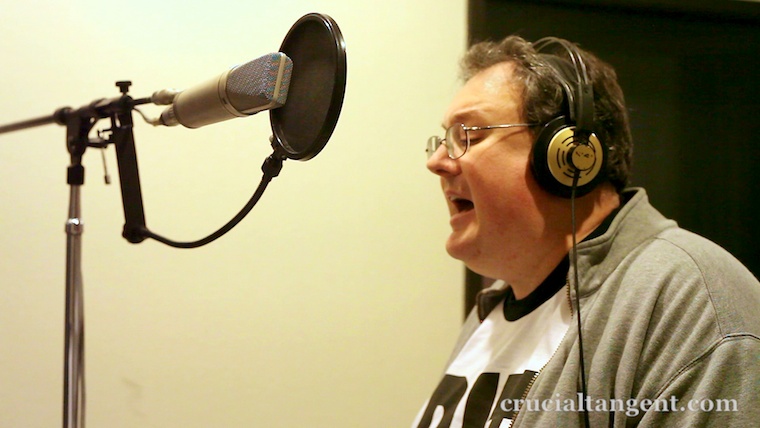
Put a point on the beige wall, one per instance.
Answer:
(333, 304)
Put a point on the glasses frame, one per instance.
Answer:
(435, 142)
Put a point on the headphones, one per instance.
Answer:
(567, 145)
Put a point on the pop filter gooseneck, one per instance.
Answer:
(305, 123)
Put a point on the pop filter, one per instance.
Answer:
(305, 123)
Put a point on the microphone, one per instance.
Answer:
(244, 90)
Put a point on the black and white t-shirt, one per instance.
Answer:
(500, 360)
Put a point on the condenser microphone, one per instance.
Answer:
(261, 84)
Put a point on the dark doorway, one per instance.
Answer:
(691, 75)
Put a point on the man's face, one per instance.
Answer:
(496, 207)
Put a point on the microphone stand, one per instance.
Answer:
(73, 387)
(78, 124)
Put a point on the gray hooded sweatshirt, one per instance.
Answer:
(671, 333)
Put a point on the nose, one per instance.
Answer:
(441, 164)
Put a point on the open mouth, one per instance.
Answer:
(462, 205)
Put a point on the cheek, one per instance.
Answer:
(507, 182)
(506, 197)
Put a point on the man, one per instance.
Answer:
(670, 324)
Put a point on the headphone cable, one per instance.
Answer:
(577, 298)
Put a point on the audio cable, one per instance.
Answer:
(577, 297)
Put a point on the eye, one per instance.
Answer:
(476, 136)
(456, 135)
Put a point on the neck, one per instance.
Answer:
(590, 212)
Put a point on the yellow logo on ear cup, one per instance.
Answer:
(582, 157)
(565, 155)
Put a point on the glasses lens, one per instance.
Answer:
(432, 145)
(456, 140)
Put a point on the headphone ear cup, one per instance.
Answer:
(558, 154)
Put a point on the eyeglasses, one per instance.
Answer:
(458, 138)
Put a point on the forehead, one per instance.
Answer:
(490, 95)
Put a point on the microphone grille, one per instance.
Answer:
(260, 84)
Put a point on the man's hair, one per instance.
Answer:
(543, 97)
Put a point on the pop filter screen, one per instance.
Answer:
(305, 123)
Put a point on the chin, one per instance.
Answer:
(455, 247)
(473, 258)
(463, 251)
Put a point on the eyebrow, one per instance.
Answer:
(466, 115)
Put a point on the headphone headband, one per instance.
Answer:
(574, 79)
